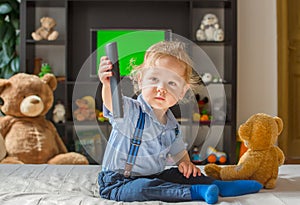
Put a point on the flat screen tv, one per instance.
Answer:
(132, 44)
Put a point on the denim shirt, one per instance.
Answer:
(157, 141)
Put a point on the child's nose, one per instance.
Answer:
(161, 89)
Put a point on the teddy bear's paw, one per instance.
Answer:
(53, 36)
(11, 160)
(270, 184)
(212, 170)
(69, 158)
(36, 37)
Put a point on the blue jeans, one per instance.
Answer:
(168, 186)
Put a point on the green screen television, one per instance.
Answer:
(132, 44)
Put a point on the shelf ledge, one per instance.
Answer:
(45, 42)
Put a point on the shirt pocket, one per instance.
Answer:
(166, 139)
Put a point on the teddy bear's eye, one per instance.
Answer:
(1, 101)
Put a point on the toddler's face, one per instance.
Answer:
(163, 85)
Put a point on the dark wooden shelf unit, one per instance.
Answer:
(72, 48)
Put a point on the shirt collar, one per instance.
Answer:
(171, 120)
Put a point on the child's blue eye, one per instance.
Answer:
(172, 83)
(154, 79)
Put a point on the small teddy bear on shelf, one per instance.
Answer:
(46, 31)
(85, 109)
(209, 29)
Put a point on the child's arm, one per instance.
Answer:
(185, 166)
(104, 74)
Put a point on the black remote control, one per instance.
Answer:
(117, 105)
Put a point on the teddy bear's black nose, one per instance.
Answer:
(34, 101)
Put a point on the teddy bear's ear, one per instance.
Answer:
(50, 79)
(279, 124)
(42, 19)
(3, 84)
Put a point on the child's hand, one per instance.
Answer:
(187, 168)
(104, 71)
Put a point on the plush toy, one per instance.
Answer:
(59, 112)
(262, 159)
(201, 102)
(85, 109)
(209, 29)
(46, 31)
(45, 68)
(28, 136)
(206, 78)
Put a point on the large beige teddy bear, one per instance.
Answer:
(46, 31)
(28, 136)
(263, 157)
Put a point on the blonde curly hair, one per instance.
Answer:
(161, 49)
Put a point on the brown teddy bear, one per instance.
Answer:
(28, 136)
(46, 30)
(262, 159)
